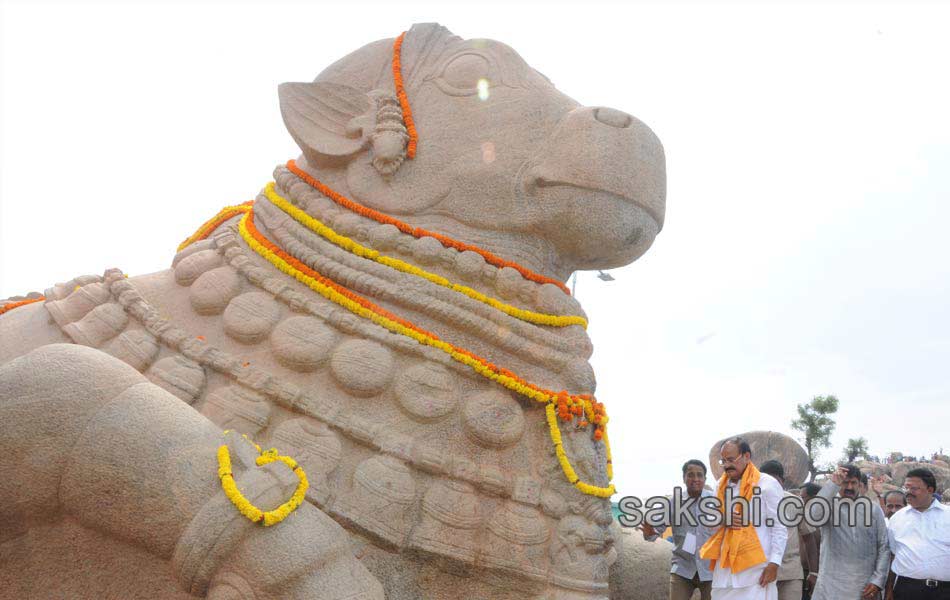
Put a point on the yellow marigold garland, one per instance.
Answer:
(354, 247)
(586, 405)
(244, 506)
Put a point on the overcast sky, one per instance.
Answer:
(805, 249)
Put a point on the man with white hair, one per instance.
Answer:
(746, 558)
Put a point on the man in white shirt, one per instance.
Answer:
(919, 538)
(752, 572)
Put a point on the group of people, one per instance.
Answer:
(891, 546)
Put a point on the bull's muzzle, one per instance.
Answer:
(607, 150)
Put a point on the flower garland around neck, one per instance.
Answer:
(417, 232)
(403, 99)
(352, 246)
(247, 224)
(568, 406)
(253, 513)
(11, 305)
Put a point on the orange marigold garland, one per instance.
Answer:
(403, 99)
(266, 243)
(211, 224)
(11, 305)
(411, 153)
(417, 232)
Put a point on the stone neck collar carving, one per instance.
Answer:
(467, 268)
(533, 256)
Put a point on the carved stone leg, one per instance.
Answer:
(642, 570)
(85, 436)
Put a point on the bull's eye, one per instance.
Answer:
(466, 74)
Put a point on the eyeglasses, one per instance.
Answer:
(729, 461)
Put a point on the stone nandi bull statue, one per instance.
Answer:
(390, 313)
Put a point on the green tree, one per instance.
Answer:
(816, 425)
(855, 448)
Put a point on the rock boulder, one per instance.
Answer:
(899, 472)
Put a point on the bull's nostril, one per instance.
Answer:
(613, 117)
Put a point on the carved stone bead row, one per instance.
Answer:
(506, 281)
(560, 345)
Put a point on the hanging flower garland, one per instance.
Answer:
(253, 513)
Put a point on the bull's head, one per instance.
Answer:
(504, 160)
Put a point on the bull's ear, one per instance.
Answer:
(326, 119)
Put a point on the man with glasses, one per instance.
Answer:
(688, 572)
(747, 549)
(854, 554)
(919, 537)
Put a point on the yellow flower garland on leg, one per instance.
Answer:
(244, 506)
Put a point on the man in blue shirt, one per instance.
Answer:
(688, 572)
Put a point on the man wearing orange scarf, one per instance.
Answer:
(745, 559)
